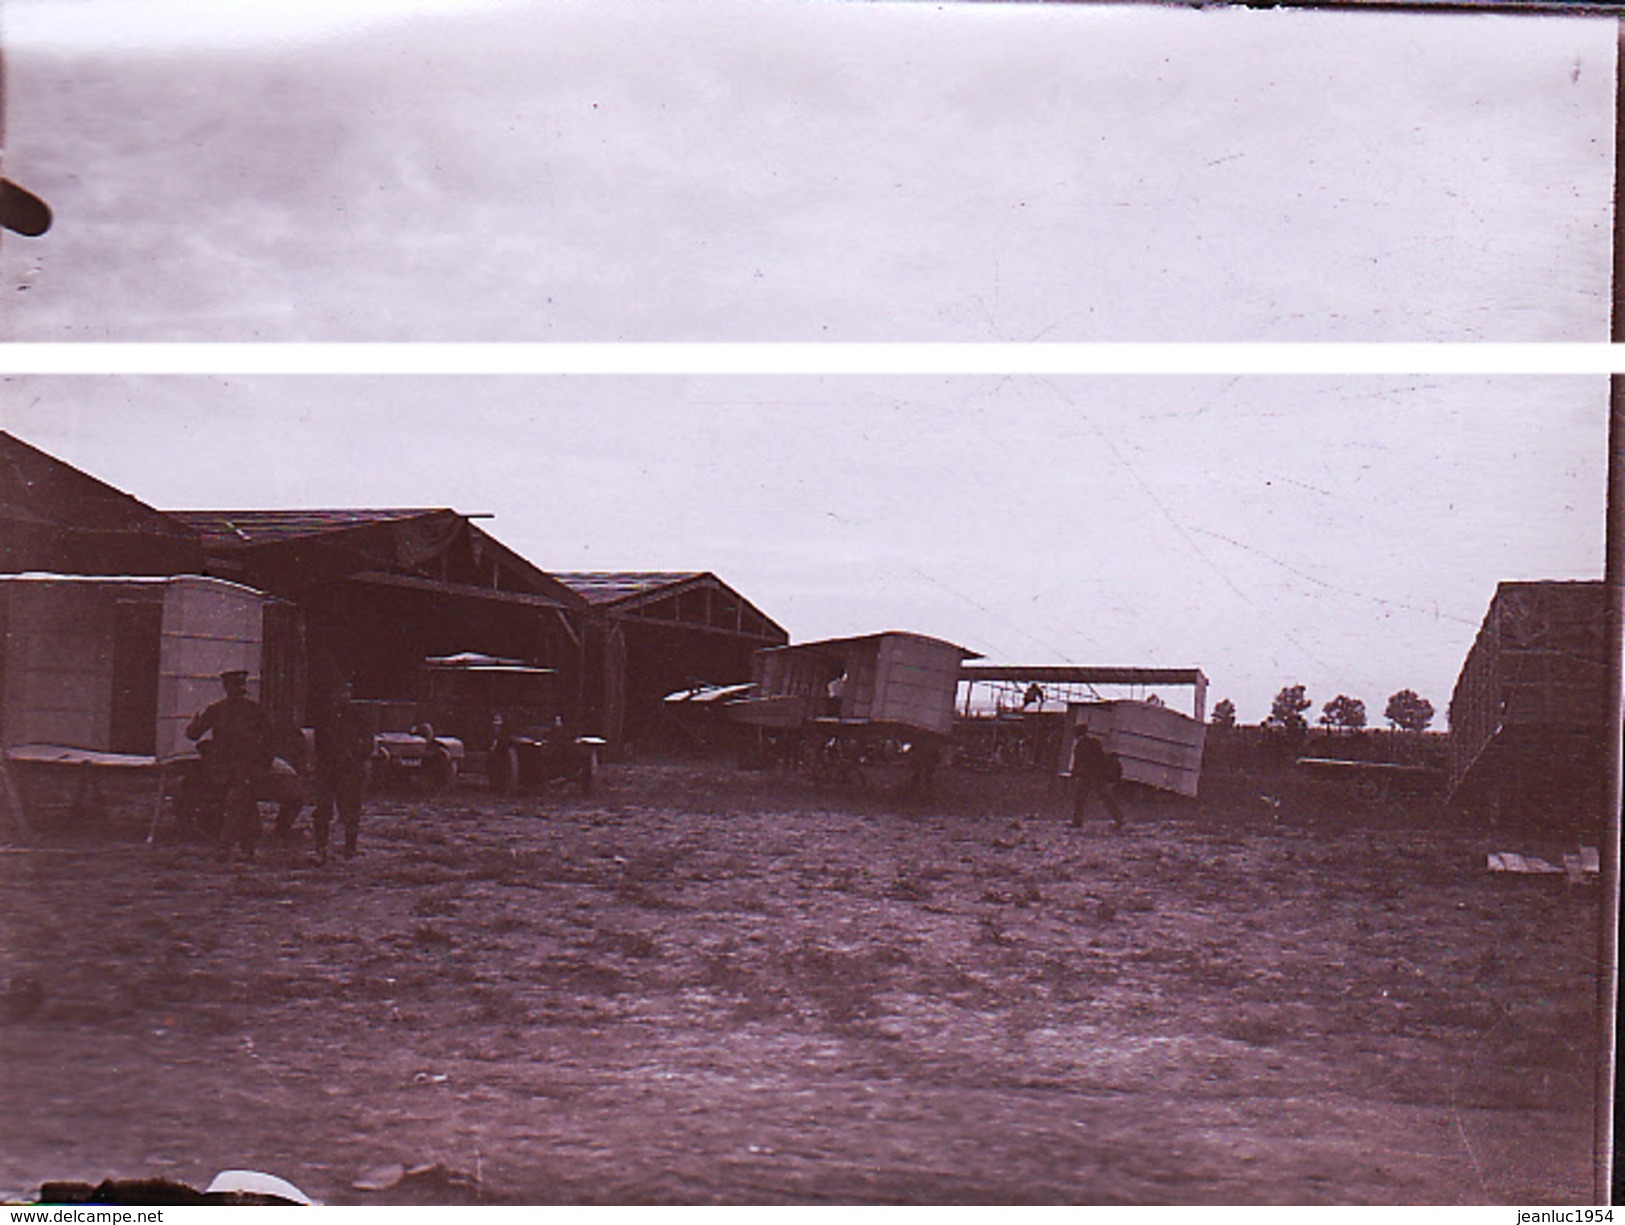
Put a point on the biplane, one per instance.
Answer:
(1157, 746)
(838, 703)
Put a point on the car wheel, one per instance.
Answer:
(440, 773)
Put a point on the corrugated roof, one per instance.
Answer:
(55, 517)
(37, 487)
(227, 527)
(288, 550)
(610, 586)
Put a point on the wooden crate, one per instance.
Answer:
(1157, 746)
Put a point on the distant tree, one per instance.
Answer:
(1224, 713)
(1407, 712)
(1344, 712)
(1287, 709)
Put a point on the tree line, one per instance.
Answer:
(1406, 712)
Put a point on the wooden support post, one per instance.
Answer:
(1614, 716)
(88, 799)
(1614, 739)
(14, 800)
(158, 802)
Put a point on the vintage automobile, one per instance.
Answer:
(407, 752)
(529, 756)
(508, 714)
(417, 758)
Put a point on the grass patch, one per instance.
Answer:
(636, 893)
(846, 984)
(908, 889)
(436, 906)
(428, 936)
(416, 874)
(627, 943)
(438, 850)
(1254, 1028)
(584, 975)
(251, 885)
(1023, 893)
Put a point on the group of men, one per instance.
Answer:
(237, 747)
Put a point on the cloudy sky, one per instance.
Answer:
(799, 170)
(808, 170)
(1346, 533)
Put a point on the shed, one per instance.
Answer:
(384, 589)
(119, 664)
(1530, 707)
(898, 679)
(651, 633)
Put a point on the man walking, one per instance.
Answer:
(239, 756)
(344, 742)
(1095, 772)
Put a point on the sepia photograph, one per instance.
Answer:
(453, 776)
(643, 790)
(799, 171)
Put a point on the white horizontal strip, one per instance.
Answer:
(832, 359)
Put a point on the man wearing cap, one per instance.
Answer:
(240, 754)
(344, 742)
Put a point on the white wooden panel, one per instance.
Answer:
(1157, 746)
(211, 608)
(72, 728)
(209, 627)
(863, 681)
(59, 682)
(918, 683)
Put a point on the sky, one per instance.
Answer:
(1344, 533)
(810, 170)
(801, 170)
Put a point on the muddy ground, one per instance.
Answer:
(701, 985)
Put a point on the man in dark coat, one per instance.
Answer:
(1095, 772)
(239, 756)
(344, 742)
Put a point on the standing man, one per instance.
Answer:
(238, 758)
(1094, 772)
(344, 742)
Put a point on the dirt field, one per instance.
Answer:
(707, 986)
